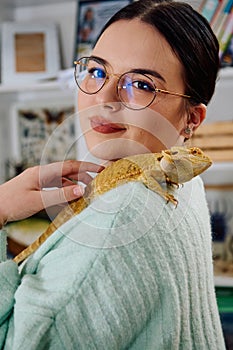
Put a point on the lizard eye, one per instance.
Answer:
(196, 150)
(174, 153)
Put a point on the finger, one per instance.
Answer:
(52, 174)
(61, 195)
(73, 167)
(83, 177)
(68, 182)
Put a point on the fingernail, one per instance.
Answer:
(78, 191)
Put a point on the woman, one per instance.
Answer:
(130, 271)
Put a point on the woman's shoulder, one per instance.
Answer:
(128, 220)
(123, 215)
(127, 209)
(137, 196)
(130, 210)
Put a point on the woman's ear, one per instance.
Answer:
(196, 115)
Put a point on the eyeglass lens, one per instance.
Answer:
(135, 90)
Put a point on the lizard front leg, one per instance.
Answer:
(171, 183)
(150, 182)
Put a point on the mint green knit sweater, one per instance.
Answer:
(129, 272)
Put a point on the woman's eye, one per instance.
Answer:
(142, 85)
(97, 73)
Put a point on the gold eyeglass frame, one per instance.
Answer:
(108, 75)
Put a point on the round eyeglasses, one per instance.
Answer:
(136, 89)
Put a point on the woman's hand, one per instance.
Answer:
(26, 194)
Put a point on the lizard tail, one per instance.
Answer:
(68, 212)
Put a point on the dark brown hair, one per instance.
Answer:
(189, 35)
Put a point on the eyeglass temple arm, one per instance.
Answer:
(172, 93)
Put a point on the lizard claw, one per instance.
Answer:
(171, 198)
(171, 183)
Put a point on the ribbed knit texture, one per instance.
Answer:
(2, 245)
(149, 288)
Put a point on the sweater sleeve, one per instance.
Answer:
(9, 280)
(2, 245)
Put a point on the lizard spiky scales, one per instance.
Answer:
(174, 166)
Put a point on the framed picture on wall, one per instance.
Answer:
(30, 52)
(43, 132)
(92, 15)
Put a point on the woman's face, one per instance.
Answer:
(112, 130)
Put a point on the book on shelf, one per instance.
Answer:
(225, 36)
(220, 13)
(222, 19)
(208, 8)
(227, 57)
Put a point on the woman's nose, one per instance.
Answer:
(108, 96)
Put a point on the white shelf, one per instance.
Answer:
(226, 73)
(48, 85)
(220, 281)
(218, 174)
(64, 81)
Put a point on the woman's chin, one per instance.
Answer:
(112, 150)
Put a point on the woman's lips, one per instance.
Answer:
(104, 126)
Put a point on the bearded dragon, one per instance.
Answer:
(174, 167)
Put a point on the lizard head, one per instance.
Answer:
(181, 164)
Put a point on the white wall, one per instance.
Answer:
(221, 105)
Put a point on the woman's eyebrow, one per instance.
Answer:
(135, 70)
(150, 72)
(99, 60)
